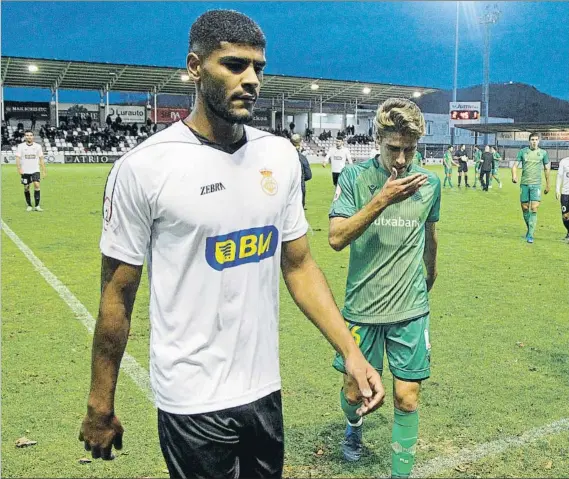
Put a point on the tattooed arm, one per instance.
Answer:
(101, 429)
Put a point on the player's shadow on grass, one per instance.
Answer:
(316, 450)
(548, 362)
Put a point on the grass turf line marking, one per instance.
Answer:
(492, 448)
(129, 365)
(140, 376)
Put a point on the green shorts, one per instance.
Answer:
(530, 193)
(448, 171)
(407, 346)
(495, 171)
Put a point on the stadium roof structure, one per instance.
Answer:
(81, 75)
(521, 127)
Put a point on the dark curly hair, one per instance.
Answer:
(216, 26)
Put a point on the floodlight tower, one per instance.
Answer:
(490, 17)
(455, 76)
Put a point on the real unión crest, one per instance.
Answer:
(268, 183)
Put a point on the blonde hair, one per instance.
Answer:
(399, 115)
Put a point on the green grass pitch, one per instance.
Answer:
(500, 358)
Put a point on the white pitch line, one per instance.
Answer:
(129, 365)
(140, 377)
(440, 464)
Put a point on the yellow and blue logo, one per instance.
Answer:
(241, 247)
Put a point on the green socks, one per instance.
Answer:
(531, 223)
(404, 442)
(526, 218)
(350, 410)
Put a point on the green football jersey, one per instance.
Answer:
(532, 162)
(447, 160)
(477, 157)
(417, 158)
(386, 283)
(496, 162)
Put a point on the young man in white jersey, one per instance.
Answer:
(562, 192)
(29, 161)
(216, 208)
(338, 156)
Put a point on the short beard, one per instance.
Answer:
(213, 95)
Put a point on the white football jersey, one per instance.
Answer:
(338, 158)
(29, 157)
(562, 185)
(211, 226)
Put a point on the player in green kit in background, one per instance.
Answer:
(418, 158)
(386, 209)
(448, 161)
(477, 157)
(532, 160)
(495, 166)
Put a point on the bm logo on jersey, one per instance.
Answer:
(241, 247)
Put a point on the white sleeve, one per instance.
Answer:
(295, 224)
(19, 150)
(127, 217)
(349, 156)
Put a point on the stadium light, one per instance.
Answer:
(416, 94)
(490, 17)
(314, 86)
(455, 73)
(185, 78)
(32, 68)
(366, 90)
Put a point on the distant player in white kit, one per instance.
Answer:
(338, 156)
(29, 161)
(215, 207)
(562, 192)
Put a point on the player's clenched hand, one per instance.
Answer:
(101, 432)
(396, 190)
(368, 381)
(557, 195)
(546, 189)
(20, 171)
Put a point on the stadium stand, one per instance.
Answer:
(77, 138)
